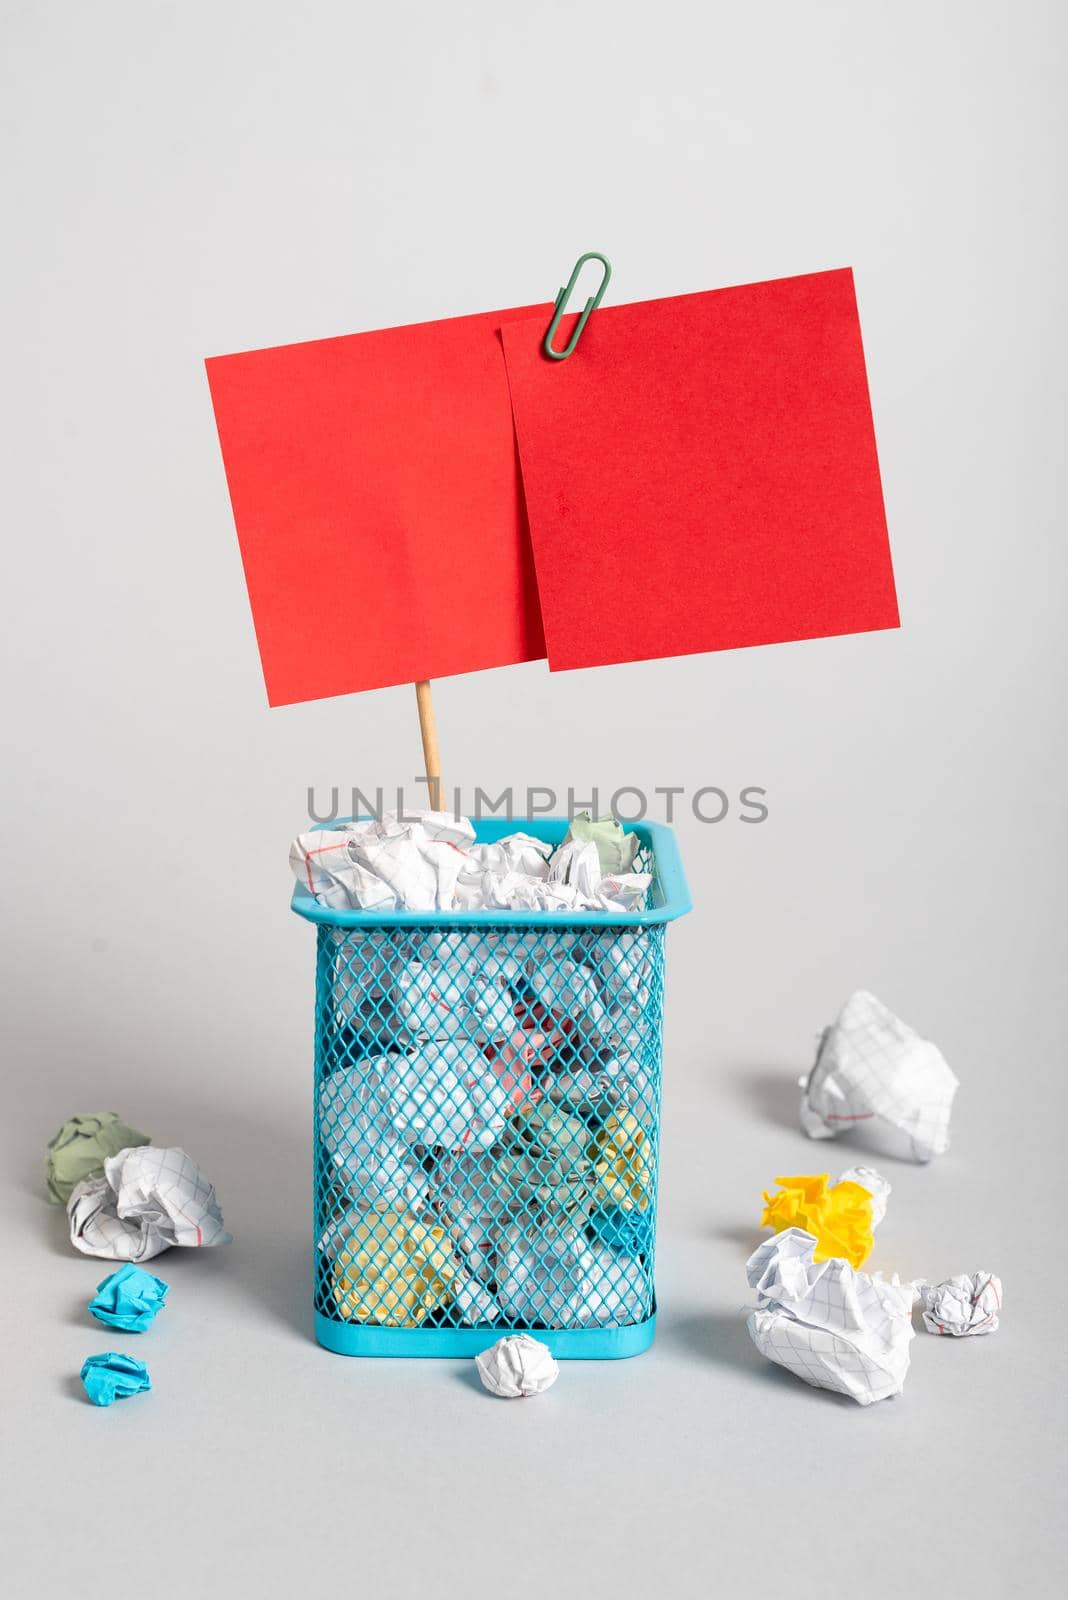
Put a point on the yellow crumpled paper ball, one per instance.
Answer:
(394, 1270)
(841, 1216)
(621, 1162)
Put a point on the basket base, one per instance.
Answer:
(566, 1344)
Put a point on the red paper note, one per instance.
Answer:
(376, 495)
(701, 473)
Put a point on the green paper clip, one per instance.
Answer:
(561, 305)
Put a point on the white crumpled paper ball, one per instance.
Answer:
(874, 1072)
(827, 1323)
(149, 1198)
(962, 1306)
(517, 1366)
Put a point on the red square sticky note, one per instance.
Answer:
(375, 489)
(701, 473)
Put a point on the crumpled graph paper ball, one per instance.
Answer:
(961, 1307)
(830, 1325)
(148, 1199)
(875, 1074)
(517, 1367)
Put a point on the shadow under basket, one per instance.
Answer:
(487, 1120)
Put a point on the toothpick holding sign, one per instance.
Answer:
(428, 732)
(709, 462)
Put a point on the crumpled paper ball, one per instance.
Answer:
(529, 1049)
(82, 1145)
(554, 1040)
(148, 1199)
(621, 1159)
(472, 1303)
(840, 1216)
(516, 1367)
(129, 1299)
(961, 1307)
(543, 1160)
(875, 1073)
(473, 1205)
(392, 862)
(516, 1082)
(571, 996)
(469, 1301)
(555, 1277)
(357, 1133)
(622, 969)
(630, 1233)
(393, 1269)
(616, 850)
(435, 1000)
(446, 1093)
(831, 1326)
(492, 1002)
(112, 1376)
(583, 1093)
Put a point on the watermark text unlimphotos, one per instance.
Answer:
(630, 803)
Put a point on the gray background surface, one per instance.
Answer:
(189, 179)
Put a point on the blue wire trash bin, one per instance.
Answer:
(487, 1119)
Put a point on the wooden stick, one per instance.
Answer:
(429, 733)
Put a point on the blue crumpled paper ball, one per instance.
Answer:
(112, 1376)
(128, 1299)
(627, 1232)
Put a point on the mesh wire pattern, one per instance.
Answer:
(487, 1125)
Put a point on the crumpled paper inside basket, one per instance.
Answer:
(556, 1277)
(447, 1093)
(429, 862)
(394, 1268)
(621, 1164)
(390, 863)
(368, 1156)
(543, 1161)
(615, 848)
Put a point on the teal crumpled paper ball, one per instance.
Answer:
(128, 1299)
(629, 1233)
(112, 1376)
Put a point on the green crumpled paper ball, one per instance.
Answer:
(544, 1162)
(80, 1148)
(615, 849)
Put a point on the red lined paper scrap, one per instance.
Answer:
(701, 474)
(376, 494)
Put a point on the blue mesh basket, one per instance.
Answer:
(487, 1120)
